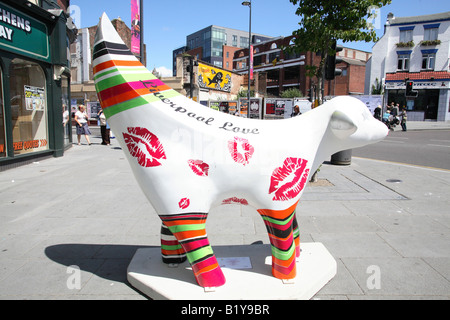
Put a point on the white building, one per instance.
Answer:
(415, 49)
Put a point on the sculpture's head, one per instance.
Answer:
(353, 125)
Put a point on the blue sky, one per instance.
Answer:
(168, 22)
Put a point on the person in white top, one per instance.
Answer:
(81, 119)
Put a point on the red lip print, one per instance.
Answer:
(235, 200)
(184, 203)
(199, 167)
(144, 146)
(241, 150)
(289, 180)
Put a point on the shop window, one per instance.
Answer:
(2, 119)
(65, 108)
(28, 107)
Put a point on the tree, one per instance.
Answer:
(324, 21)
(377, 88)
(292, 93)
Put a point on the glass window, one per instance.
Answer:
(28, 107)
(428, 61)
(244, 42)
(406, 35)
(431, 34)
(403, 62)
(65, 108)
(2, 119)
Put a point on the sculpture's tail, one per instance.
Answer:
(121, 81)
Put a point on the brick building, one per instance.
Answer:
(284, 71)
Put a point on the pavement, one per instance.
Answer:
(70, 226)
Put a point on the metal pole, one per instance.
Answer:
(249, 57)
(141, 13)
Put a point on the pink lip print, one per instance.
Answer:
(144, 146)
(289, 180)
(199, 167)
(235, 200)
(241, 150)
(184, 203)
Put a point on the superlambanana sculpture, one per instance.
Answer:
(188, 158)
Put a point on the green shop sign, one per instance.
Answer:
(23, 35)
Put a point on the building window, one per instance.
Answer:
(431, 34)
(244, 42)
(2, 120)
(428, 61)
(406, 34)
(28, 107)
(235, 40)
(403, 62)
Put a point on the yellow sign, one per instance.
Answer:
(214, 78)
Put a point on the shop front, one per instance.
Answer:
(433, 95)
(34, 84)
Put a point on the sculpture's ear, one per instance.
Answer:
(341, 125)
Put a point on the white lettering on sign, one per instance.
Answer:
(14, 20)
(6, 33)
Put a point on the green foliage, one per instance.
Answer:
(377, 88)
(324, 21)
(408, 44)
(244, 93)
(291, 93)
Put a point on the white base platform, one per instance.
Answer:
(253, 281)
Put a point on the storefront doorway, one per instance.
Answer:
(427, 102)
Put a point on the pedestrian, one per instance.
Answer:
(296, 112)
(403, 118)
(377, 113)
(82, 126)
(104, 128)
(395, 110)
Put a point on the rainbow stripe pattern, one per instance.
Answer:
(122, 82)
(189, 230)
(284, 239)
(171, 250)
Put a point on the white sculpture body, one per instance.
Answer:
(188, 158)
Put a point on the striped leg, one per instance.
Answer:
(296, 231)
(189, 230)
(171, 249)
(280, 226)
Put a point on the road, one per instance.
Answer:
(429, 148)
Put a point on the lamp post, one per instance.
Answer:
(249, 4)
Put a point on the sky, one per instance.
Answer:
(168, 22)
